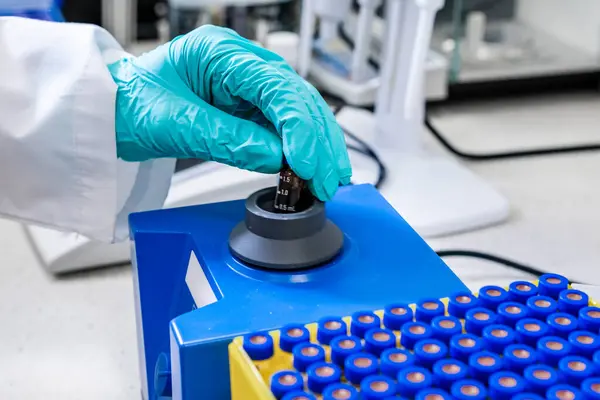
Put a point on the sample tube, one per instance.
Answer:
(520, 291)
(396, 315)
(540, 307)
(445, 327)
(284, 382)
(428, 309)
(491, 297)
(412, 332)
(552, 284)
(289, 191)
(362, 321)
(511, 312)
(461, 302)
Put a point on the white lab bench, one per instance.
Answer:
(74, 337)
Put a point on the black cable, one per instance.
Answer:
(366, 150)
(508, 154)
(493, 258)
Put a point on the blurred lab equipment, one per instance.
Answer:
(435, 194)
(514, 40)
(47, 10)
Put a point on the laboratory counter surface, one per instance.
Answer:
(73, 337)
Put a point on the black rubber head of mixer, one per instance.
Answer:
(280, 241)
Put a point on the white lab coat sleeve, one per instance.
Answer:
(58, 163)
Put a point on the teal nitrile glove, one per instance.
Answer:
(214, 95)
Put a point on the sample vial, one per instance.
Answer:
(461, 302)
(377, 340)
(591, 388)
(505, 385)
(396, 315)
(571, 301)
(290, 189)
(429, 351)
(540, 378)
(584, 343)
(589, 318)
(530, 330)
(447, 372)
(478, 318)
(291, 335)
(552, 348)
(433, 394)
(307, 354)
(464, 345)
(563, 392)
(321, 375)
(412, 380)
(469, 389)
(330, 327)
(496, 337)
(299, 395)
(360, 365)
(362, 321)
(445, 327)
(575, 369)
(427, 309)
(552, 284)
(340, 391)
(561, 324)
(284, 382)
(520, 291)
(394, 360)
(412, 332)
(511, 312)
(258, 346)
(540, 307)
(344, 346)
(376, 387)
(491, 297)
(517, 357)
(483, 364)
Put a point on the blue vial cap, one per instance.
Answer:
(330, 327)
(461, 302)
(360, 365)
(448, 371)
(491, 297)
(284, 382)
(321, 375)
(483, 364)
(344, 346)
(412, 332)
(300, 395)
(562, 391)
(528, 396)
(511, 312)
(575, 369)
(561, 324)
(552, 284)
(291, 335)
(589, 318)
(433, 393)
(517, 357)
(444, 327)
(530, 330)
(463, 345)
(540, 378)
(306, 354)
(596, 359)
(469, 389)
(520, 291)
(394, 360)
(428, 351)
(572, 300)
(552, 348)
(427, 309)
(377, 340)
(377, 387)
(591, 388)
(478, 318)
(540, 307)
(496, 337)
(396, 315)
(505, 385)
(584, 343)
(340, 391)
(413, 379)
(258, 346)
(362, 321)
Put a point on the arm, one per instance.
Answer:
(58, 157)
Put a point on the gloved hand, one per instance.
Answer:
(214, 95)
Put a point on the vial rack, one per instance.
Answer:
(532, 340)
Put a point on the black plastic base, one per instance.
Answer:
(280, 241)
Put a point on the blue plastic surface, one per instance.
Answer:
(383, 262)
